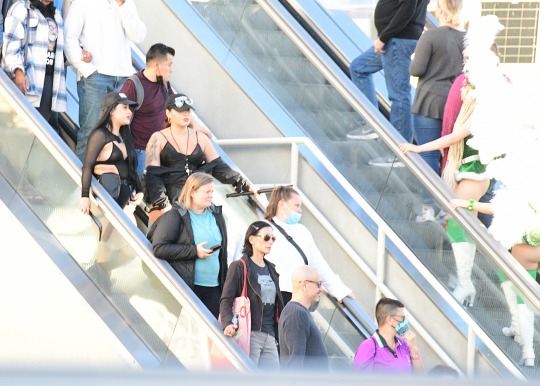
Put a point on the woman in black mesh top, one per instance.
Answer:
(110, 153)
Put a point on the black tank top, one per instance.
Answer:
(173, 159)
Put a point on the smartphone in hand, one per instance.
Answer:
(215, 247)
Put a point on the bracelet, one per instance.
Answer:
(471, 204)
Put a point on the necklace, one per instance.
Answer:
(186, 166)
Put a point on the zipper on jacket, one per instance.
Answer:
(260, 297)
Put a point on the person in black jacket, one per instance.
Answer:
(192, 237)
(177, 151)
(263, 292)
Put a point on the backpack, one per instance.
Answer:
(139, 90)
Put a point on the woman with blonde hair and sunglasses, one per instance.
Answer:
(192, 237)
(263, 292)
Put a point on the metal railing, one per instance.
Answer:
(384, 232)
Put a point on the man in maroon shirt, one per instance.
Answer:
(150, 115)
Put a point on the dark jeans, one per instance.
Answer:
(45, 106)
(210, 297)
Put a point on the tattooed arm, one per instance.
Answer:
(153, 150)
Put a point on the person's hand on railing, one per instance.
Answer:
(84, 205)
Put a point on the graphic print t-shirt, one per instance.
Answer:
(268, 293)
(48, 12)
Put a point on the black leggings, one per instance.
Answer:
(210, 298)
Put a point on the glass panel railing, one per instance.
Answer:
(165, 321)
(325, 116)
(341, 337)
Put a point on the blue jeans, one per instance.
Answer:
(91, 92)
(141, 161)
(395, 62)
(428, 129)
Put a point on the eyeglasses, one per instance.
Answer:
(267, 237)
(318, 283)
(402, 316)
(179, 101)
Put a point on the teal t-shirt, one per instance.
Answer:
(205, 228)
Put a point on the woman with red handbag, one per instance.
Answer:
(257, 279)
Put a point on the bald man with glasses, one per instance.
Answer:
(301, 344)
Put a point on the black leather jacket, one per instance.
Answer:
(172, 240)
(233, 289)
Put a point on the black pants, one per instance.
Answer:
(210, 297)
(124, 196)
(45, 106)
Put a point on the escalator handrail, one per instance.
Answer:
(132, 235)
(525, 284)
(309, 149)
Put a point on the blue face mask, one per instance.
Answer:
(402, 327)
(293, 218)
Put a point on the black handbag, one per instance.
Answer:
(111, 182)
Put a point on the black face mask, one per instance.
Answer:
(159, 79)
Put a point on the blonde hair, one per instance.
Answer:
(451, 10)
(194, 182)
(455, 153)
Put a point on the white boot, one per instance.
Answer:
(511, 299)
(526, 327)
(464, 254)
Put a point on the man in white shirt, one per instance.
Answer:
(104, 28)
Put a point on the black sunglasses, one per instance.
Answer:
(267, 237)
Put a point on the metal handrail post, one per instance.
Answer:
(381, 262)
(471, 352)
(294, 163)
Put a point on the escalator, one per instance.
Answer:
(252, 60)
(168, 323)
(154, 315)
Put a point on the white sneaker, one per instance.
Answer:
(428, 214)
(387, 162)
(364, 132)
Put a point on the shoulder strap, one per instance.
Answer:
(290, 240)
(163, 135)
(139, 90)
(244, 287)
(165, 92)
